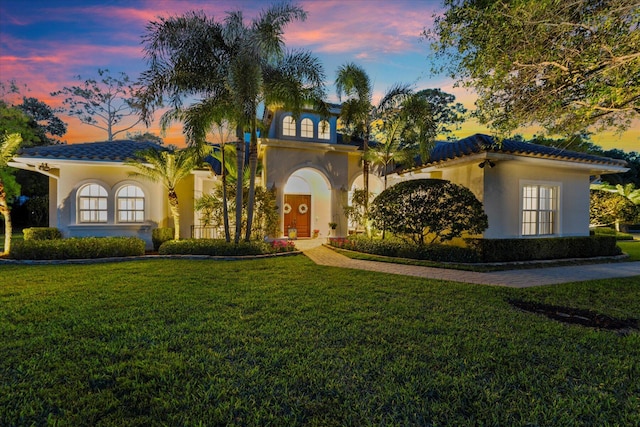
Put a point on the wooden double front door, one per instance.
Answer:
(297, 214)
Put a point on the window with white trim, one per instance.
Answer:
(539, 210)
(92, 203)
(306, 128)
(130, 204)
(288, 126)
(324, 130)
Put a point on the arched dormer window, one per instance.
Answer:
(324, 130)
(130, 204)
(288, 126)
(306, 128)
(92, 203)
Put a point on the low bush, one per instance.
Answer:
(160, 235)
(607, 231)
(77, 248)
(220, 247)
(506, 250)
(396, 248)
(42, 233)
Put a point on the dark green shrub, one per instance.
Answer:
(413, 209)
(216, 247)
(606, 231)
(506, 250)
(78, 248)
(160, 235)
(41, 233)
(400, 249)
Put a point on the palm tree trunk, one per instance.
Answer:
(225, 207)
(6, 214)
(175, 213)
(240, 165)
(253, 167)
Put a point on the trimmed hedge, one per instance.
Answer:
(160, 235)
(41, 233)
(391, 248)
(77, 248)
(220, 247)
(506, 250)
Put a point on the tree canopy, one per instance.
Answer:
(104, 103)
(564, 65)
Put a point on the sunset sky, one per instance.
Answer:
(46, 43)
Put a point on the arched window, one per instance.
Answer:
(130, 204)
(306, 128)
(288, 126)
(92, 203)
(324, 130)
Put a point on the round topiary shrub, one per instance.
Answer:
(428, 207)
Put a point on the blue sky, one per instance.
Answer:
(45, 44)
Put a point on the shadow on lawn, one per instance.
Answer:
(577, 316)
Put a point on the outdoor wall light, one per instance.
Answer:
(486, 162)
(44, 167)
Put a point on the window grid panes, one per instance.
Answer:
(324, 130)
(288, 126)
(92, 203)
(539, 207)
(306, 128)
(130, 203)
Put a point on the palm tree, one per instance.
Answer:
(168, 168)
(390, 147)
(232, 63)
(359, 112)
(8, 185)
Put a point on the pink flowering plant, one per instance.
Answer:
(283, 246)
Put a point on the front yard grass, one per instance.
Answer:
(286, 342)
(631, 248)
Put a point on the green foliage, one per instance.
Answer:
(220, 247)
(403, 249)
(285, 342)
(563, 65)
(413, 209)
(509, 250)
(42, 233)
(77, 248)
(607, 208)
(606, 231)
(160, 235)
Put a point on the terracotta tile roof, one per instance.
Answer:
(480, 143)
(108, 151)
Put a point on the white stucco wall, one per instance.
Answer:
(73, 176)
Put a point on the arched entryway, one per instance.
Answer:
(307, 203)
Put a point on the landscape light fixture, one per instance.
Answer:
(486, 162)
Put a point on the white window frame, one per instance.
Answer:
(130, 208)
(93, 204)
(540, 216)
(306, 128)
(324, 130)
(288, 126)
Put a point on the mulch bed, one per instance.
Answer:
(577, 316)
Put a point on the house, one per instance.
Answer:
(527, 189)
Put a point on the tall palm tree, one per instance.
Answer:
(8, 185)
(359, 112)
(241, 65)
(168, 168)
(390, 145)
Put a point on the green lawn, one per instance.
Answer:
(285, 342)
(632, 248)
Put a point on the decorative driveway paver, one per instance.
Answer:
(512, 278)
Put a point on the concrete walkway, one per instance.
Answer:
(512, 278)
